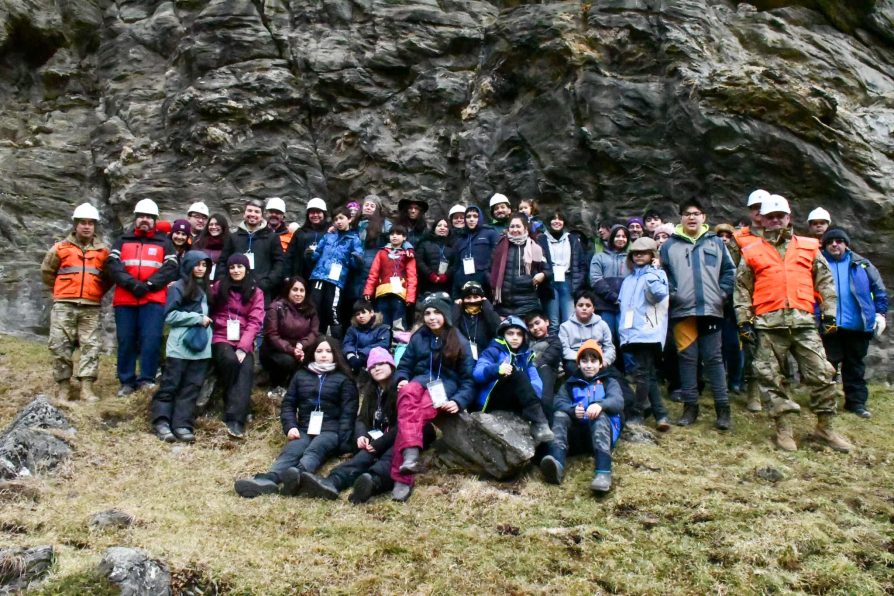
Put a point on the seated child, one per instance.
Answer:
(587, 417)
(547, 356)
(365, 333)
(584, 324)
(475, 317)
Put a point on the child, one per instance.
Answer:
(392, 279)
(507, 379)
(475, 318)
(588, 413)
(547, 356)
(529, 208)
(317, 416)
(186, 311)
(336, 253)
(643, 327)
(584, 324)
(365, 333)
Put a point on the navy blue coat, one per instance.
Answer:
(421, 362)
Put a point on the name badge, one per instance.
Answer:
(316, 423)
(628, 319)
(397, 285)
(474, 347)
(335, 271)
(437, 393)
(375, 434)
(558, 274)
(213, 269)
(233, 330)
(469, 265)
(251, 259)
(442, 267)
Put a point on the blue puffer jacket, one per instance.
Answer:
(487, 374)
(480, 244)
(361, 340)
(370, 250)
(421, 362)
(603, 389)
(645, 293)
(337, 247)
(865, 287)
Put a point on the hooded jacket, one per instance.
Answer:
(332, 393)
(286, 326)
(361, 340)
(607, 271)
(342, 248)
(572, 333)
(297, 260)
(644, 295)
(486, 372)
(700, 273)
(421, 362)
(181, 313)
(603, 389)
(479, 244)
(250, 317)
(264, 244)
(389, 263)
(431, 252)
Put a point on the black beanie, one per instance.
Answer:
(835, 234)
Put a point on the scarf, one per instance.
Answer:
(518, 240)
(532, 254)
(321, 369)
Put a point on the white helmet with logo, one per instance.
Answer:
(85, 211)
(146, 207)
(758, 197)
(276, 204)
(775, 204)
(200, 208)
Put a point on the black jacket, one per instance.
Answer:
(297, 258)
(479, 329)
(337, 400)
(265, 246)
(432, 250)
(385, 404)
(547, 351)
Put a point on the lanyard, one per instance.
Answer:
(320, 390)
(378, 416)
(474, 336)
(251, 236)
(431, 362)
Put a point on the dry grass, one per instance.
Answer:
(690, 515)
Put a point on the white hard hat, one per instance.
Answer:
(198, 207)
(276, 204)
(758, 197)
(85, 211)
(317, 203)
(456, 209)
(775, 204)
(146, 207)
(820, 214)
(497, 199)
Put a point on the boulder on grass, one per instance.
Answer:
(20, 567)
(498, 444)
(31, 443)
(135, 572)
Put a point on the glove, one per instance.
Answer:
(139, 289)
(442, 279)
(747, 333)
(880, 325)
(828, 325)
(354, 361)
(433, 277)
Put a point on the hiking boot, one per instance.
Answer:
(63, 390)
(364, 488)
(411, 463)
(552, 470)
(541, 433)
(250, 488)
(785, 435)
(184, 434)
(315, 487)
(236, 429)
(824, 433)
(783, 406)
(690, 415)
(291, 482)
(87, 393)
(754, 397)
(663, 424)
(147, 387)
(163, 432)
(675, 396)
(723, 417)
(401, 492)
(125, 390)
(602, 482)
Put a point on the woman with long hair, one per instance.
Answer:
(290, 328)
(211, 240)
(411, 215)
(565, 253)
(518, 270)
(434, 259)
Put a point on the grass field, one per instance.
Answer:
(691, 515)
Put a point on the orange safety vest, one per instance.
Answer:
(284, 240)
(79, 276)
(782, 283)
(744, 237)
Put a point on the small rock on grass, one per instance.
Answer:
(20, 567)
(135, 572)
(113, 518)
(638, 434)
(770, 474)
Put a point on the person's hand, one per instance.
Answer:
(362, 442)
(402, 384)
(593, 411)
(656, 263)
(505, 369)
(433, 277)
(880, 324)
(206, 321)
(451, 407)
(539, 279)
(367, 297)
(579, 412)
(139, 289)
(298, 352)
(293, 434)
(747, 333)
(240, 355)
(828, 325)
(370, 448)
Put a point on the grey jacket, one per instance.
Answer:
(572, 333)
(700, 272)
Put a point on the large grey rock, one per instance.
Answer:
(27, 448)
(497, 444)
(135, 572)
(21, 567)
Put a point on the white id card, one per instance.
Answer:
(474, 347)
(628, 319)
(442, 267)
(558, 274)
(437, 393)
(375, 434)
(469, 265)
(232, 329)
(397, 285)
(251, 259)
(213, 269)
(316, 423)
(335, 271)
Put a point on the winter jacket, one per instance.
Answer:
(644, 293)
(264, 245)
(517, 293)
(181, 314)
(607, 271)
(572, 333)
(285, 327)
(479, 244)
(603, 389)
(861, 292)
(250, 317)
(478, 329)
(332, 393)
(298, 258)
(76, 271)
(378, 411)
(336, 247)
(431, 252)
(700, 273)
(361, 340)
(547, 351)
(487, 375)
(576, 268)
(421, 362)
(391, 263)
(371, 247)
(141, 265)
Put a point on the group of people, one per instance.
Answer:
(372, 329)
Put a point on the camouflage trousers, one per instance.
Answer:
(73, 325)
(773, 347)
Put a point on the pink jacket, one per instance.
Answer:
(250, 317)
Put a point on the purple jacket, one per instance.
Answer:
(250, 317)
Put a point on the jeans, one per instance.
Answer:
(548, 377)
(582, 435)
(235, 379)
(364, 462)
(847, 349)
(392, 309)
(645, 375)
(307, 453)
(139, 333)
(560, 307)
(175, 400)
(699, 338)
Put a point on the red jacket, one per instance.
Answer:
(392, 263)
(142, 259)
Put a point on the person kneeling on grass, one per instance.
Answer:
(317, 416)
(507, 378)
(588, 415)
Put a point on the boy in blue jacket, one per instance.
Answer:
(588, 414)
(507, 379)
(365, 333)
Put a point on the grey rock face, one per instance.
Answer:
(135, 572)
(21, 567)
(26, 447)
(497, 444)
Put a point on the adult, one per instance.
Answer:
(500, 210)
(636, 228)
(142, 263)
(701, 275)
(518, 270)
(607, 271)
(298, 259)
(237, 309)
(776, 284)
(862, 306)
(197, 215)
(457, 218)
(565, 253)
(603, 231)
(435, 259)
(411, 214)
(290, 328)
(275, 212)
(211, 240)
(474, 252)
(260, 245)
(75, 270)
(733, 359)
(818, 221)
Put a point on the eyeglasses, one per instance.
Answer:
(835, 241)
(692, 214)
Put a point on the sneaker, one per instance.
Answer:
(184, 434)
(401, 492)
(163, 432)
(860, 411)
(411, 463)
(147, 387)
(663, 424)
(602, 482)
(250, 488)
(236, 429)
(552, 470)
(364, 487)
(316, 487)
(126, 390)
(291, 482)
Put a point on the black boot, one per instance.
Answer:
(315, 487)
(411, 463)
(690, 415)
(291, 481)
(364, 488)
(540, 430)
(723, 417)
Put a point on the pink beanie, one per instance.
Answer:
(378, 355)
